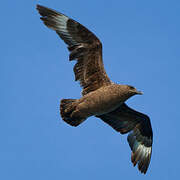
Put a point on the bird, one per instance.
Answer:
(101, 97)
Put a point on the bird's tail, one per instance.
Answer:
(68, 112)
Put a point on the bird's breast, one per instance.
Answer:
(103, 100)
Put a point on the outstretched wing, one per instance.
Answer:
(124, 120)
(84, 47)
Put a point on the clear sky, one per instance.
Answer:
(141, 42)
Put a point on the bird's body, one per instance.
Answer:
(103, 100)
(101, 97)
(100, 102)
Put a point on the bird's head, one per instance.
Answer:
(127, 91)
(132, 90)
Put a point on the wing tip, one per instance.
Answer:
(40, 9)
(141, 161)
(45, 11)
(52, 18)
(141, 153)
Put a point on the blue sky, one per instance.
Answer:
(141, 41)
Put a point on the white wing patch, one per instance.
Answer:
(61, 27)
(141, 150)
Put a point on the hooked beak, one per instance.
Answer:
(139, 92)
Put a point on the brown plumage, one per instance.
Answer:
(101, 97)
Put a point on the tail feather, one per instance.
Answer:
(68, 112)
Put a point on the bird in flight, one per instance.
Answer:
(100, 96)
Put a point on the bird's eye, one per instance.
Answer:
(131, 87)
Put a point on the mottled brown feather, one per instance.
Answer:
(84, 47)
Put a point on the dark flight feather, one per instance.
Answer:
(84, 47)
(124, 120)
